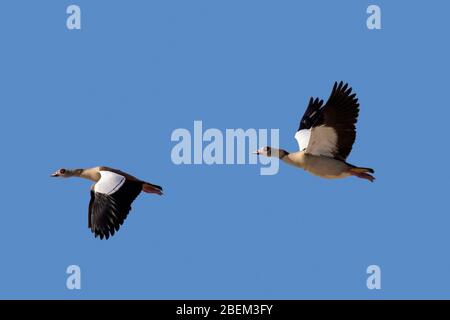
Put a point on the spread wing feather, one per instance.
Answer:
(329, 130)
(107, 212)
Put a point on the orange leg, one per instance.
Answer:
(363, 175)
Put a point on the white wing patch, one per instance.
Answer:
(109, 182)
(323, 141)
(302, 138)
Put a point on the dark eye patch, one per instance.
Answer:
(62, 171)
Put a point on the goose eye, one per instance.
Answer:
(62, 171)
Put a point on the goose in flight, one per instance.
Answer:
(111, 196)
(326, 136)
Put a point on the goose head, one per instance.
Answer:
(265, 151)
(63, 173)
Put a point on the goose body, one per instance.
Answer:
(325, 137)
(112, 194)
(324, 167)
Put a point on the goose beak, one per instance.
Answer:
(53, 175)
(256, 152)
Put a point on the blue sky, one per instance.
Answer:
(113, 92)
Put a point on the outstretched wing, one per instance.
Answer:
(111, 199)
(311, 116)
(330, 130)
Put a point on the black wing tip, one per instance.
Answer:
(312, 113)
(315, 101)
(342, 90)
(341, 85)
(102, 235)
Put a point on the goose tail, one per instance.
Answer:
(363, 173)
(152, 188)
(362, 170)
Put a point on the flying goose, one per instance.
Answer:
(326, 136)
(111, 196)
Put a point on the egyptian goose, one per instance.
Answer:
(111, 196)
(326, 136)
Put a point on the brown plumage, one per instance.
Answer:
(325, 137)
(111, 196)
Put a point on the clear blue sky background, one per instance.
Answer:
(112, 93)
